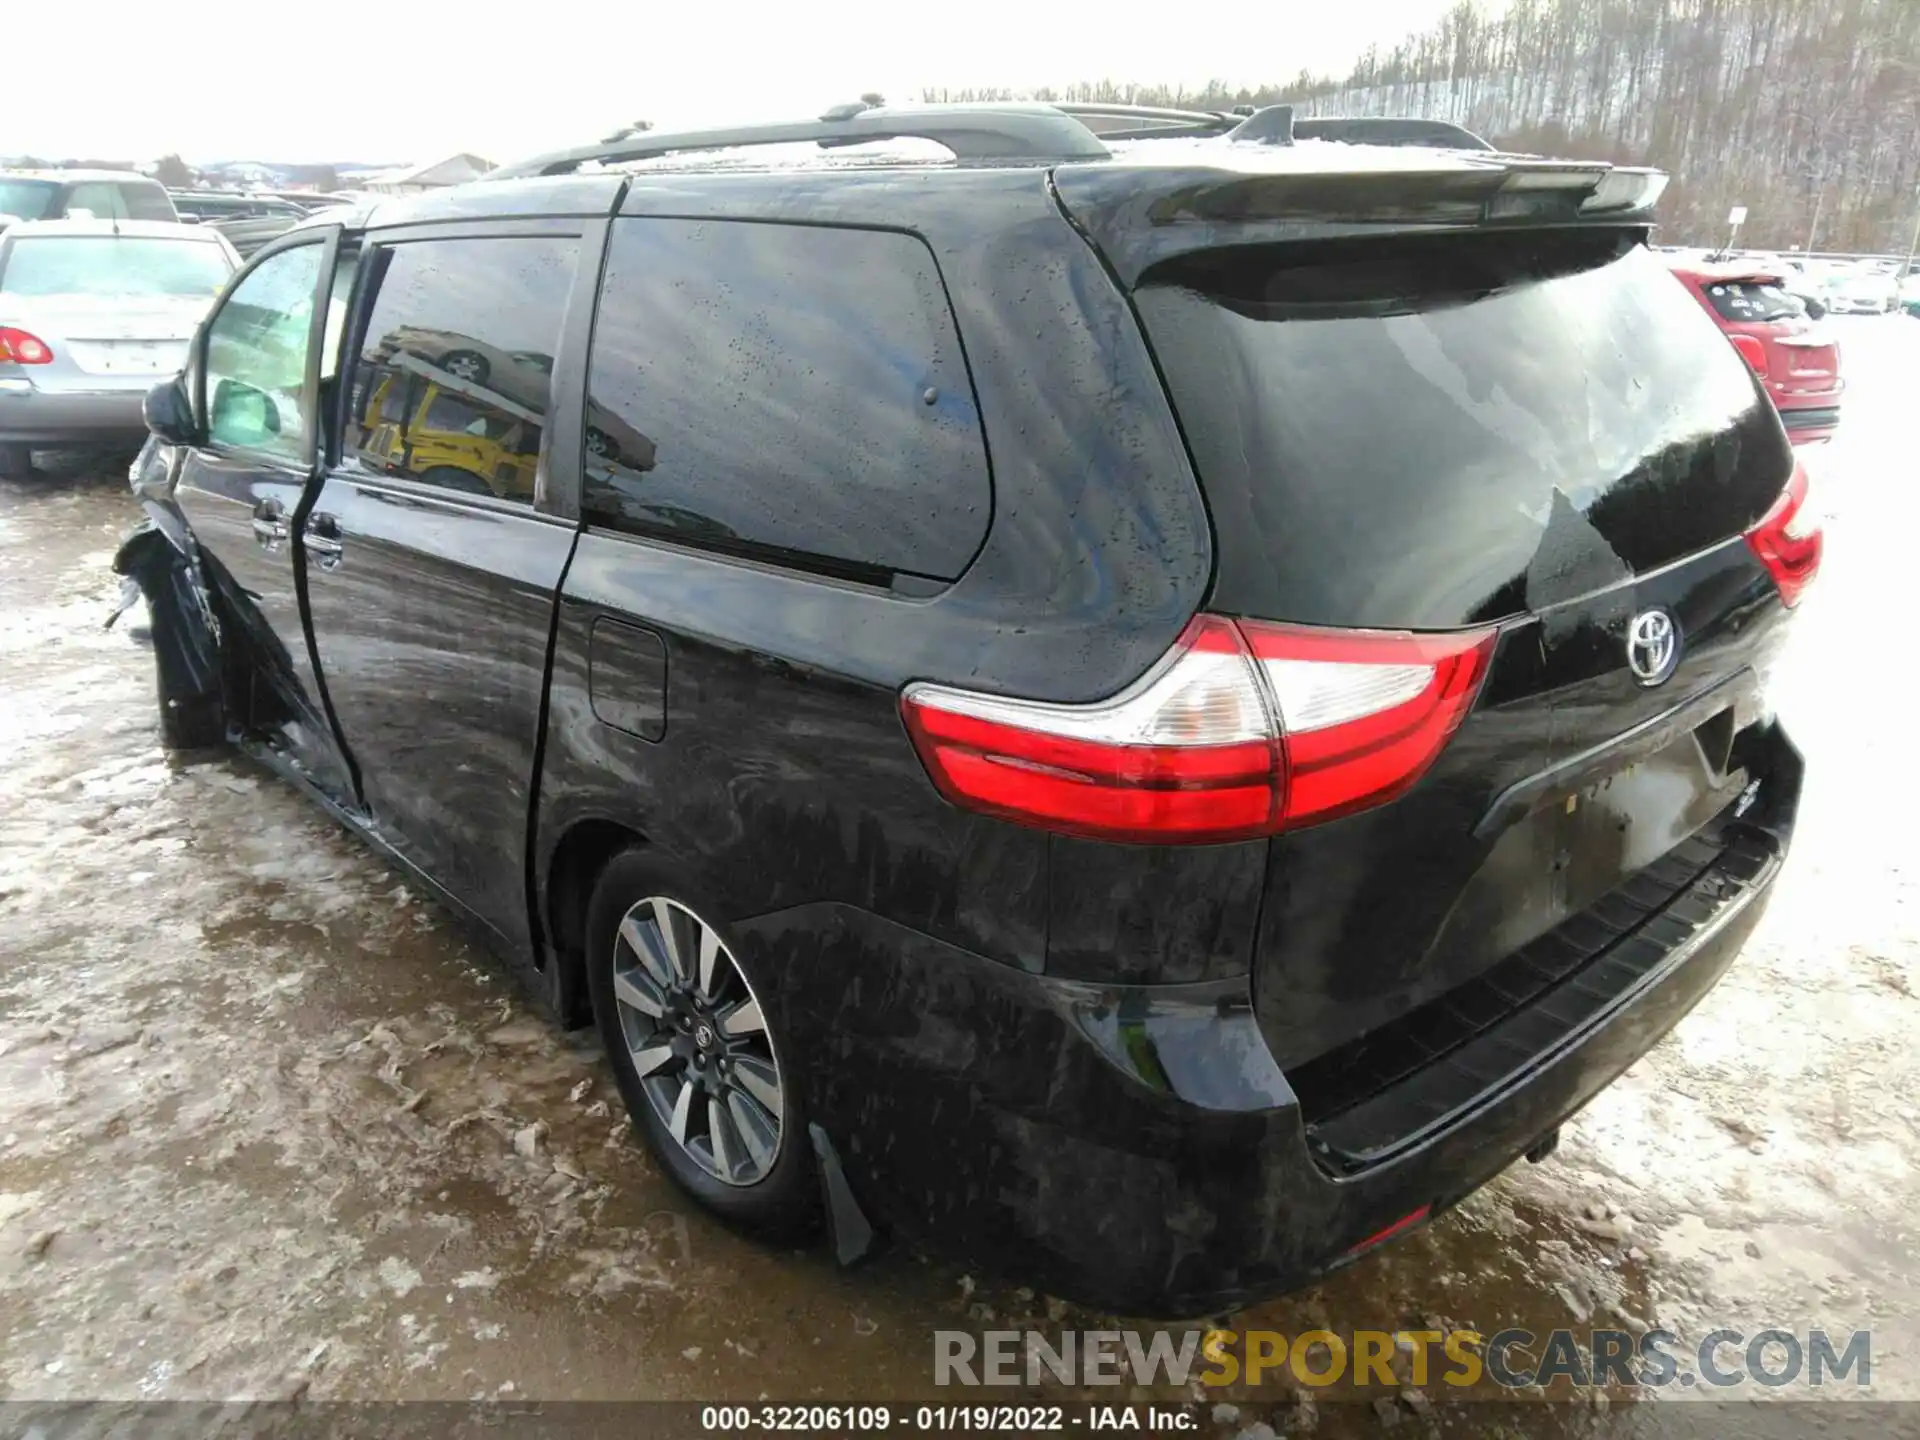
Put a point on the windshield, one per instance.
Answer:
(113, 265)
(1427, 432)
(1750, 301)
(26, 199)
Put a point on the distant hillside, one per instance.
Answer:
(1798, 109)
(1785, 106)
(219, 172)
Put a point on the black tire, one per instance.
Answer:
(16, 461)
(472, 361)
(785, 1203)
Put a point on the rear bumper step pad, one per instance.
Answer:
(1383, 1091)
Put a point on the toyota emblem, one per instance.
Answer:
(1653, 646)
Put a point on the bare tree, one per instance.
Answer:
(174, 173)
(1804, 111)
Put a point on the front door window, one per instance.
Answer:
(256, 362)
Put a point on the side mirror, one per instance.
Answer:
(242, 415)
(169, 414)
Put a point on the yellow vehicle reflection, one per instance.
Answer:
(442, 408)
(448, 432)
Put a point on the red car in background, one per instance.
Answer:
(1796, 359)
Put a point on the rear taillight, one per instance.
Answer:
(1752, 350)
(1789, 540)
(22, 348)
(1186, 753)
(1363, 713)
(1244, 729)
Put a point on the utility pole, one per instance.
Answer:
(1816, 183)
(1913, 246)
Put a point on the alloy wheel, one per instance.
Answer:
(698, 1040)
(464, 366)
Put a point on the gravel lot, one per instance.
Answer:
(269, 1126)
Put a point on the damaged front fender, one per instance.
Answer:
(186, 637)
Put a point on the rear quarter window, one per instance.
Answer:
(794, 392)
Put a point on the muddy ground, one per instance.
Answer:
(269, 1126)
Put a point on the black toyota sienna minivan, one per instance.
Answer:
(1153, 711)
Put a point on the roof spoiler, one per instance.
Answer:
(1279, 125)
(1388, 130)
(1141, 220)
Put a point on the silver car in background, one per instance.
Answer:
(92, 312)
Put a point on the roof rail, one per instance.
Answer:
(997, 131)
(1156, 123)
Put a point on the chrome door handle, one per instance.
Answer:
(323, 540)
(270, 524)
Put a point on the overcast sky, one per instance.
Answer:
(405, 80)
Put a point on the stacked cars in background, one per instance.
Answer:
(104, 275)
(92, 311)
(248, 219)
(95, 194)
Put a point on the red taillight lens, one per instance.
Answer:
(1363, 713)
(1789, 540)
(1185, 754)
(1243, 730)
(1752, 350)
(22, 348)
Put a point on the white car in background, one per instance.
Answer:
(1866, 289)
(92, 312)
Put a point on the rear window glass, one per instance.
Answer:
(786, 390)
(1439, 431)
(110, 265)
(99, 199)
(1750, 301)
(148, 202)
(26, 199)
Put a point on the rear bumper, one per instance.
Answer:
(1136, 1148)
(55, 417)
(1810, 422)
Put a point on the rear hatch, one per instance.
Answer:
(1408, 415)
